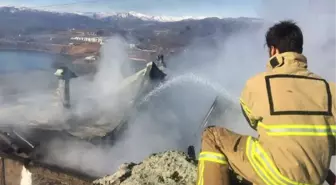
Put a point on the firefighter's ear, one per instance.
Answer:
(274, 51)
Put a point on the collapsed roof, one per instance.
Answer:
(30, 142)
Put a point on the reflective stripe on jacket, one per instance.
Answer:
(293, 111)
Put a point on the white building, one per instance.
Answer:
(90, 58)
(88, 39)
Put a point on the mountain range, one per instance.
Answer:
(98, 15)
(102, 15)
(144, 17)
(156, 30)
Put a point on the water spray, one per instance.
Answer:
(189, 77)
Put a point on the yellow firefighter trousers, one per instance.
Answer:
(220, 149)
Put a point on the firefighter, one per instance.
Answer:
(293, 111)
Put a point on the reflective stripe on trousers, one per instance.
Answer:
(211, 157)
(264, 166)
(299, 130)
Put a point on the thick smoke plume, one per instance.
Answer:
(27, 98)
(170, 115)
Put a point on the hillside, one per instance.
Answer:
(25, 21)
(150, 31)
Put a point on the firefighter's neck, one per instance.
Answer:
(286, 60)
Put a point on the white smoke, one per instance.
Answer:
(172, 114)
(102, 90)
(26, 97)
(96, 102)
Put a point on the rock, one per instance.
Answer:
(167, 168)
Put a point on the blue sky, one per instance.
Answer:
(222, 8)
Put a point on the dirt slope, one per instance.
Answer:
(80, 50)
(167, 168)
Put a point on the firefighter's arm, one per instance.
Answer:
(247, 105)
(333, 95)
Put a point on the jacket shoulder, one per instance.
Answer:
(254, 86)
(257, 79)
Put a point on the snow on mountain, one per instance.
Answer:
(156, 18)
(13, 9)
(141, 16)
(100, 15)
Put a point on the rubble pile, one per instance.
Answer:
(167, 168)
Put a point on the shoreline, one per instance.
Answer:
(54, 54)
(73, 51)
(35, 51)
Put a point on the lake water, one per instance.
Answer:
(19, 61)
(24, 72)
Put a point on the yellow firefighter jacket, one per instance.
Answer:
(293, 111)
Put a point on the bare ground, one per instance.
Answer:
(167, 168)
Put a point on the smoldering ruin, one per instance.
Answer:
(83, 125)
(67, 122)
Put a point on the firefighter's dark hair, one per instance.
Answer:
(286, 36)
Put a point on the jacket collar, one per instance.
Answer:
(285, 60)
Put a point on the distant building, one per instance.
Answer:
(90, 58)
(88, 39)
(91, 33)
(158, 32)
